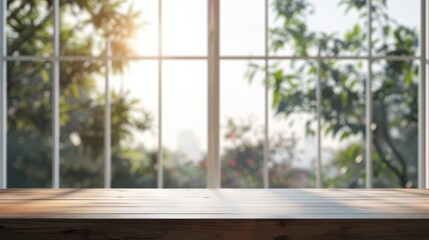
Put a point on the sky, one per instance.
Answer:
(184, 82)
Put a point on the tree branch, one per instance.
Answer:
(389, 141)
(26, 35)
(401, 178)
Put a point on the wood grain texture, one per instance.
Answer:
(277, 214)
(274, 229)
(214, 204)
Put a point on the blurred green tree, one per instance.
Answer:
(85, 27)
(87, 24)
(395, 90)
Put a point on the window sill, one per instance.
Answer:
(204, 212)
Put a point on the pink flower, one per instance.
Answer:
(229, 135)
(232, 163)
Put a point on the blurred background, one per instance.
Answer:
(294, 27)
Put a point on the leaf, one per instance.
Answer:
(386, 30)
(283, 105)
(44, 75)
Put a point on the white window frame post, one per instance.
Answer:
(107, 120)
(368, 107)
(265, 170)
(213, 160)
(55, 99)
(423, 164)
(160, 161)
(3, 96)
(319, 174)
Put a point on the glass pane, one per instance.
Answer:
(292, 124)
(184, 123)
(242, 24)
(131, 24)
(82, 124)
(184, 27)
(145, 41)
(396, 27)
(343, 123)
(297, 26)
(29, 124)
(395, 126)
(29, 27)
(135, 124)
(242, 124)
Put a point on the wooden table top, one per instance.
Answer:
(214, 204)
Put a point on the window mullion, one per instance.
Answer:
(422, 174)
(213, 161)
(368, 109)
(107, 121)
(319, 181)
(55, 99)
(266, 173)
(160, 166)
(3, 96)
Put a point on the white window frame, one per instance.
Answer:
(213, 59)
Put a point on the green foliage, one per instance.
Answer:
(81, 104)
(343, 89)
(395, 99)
